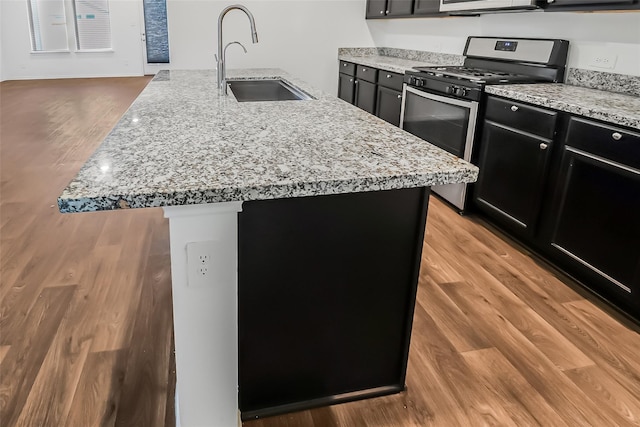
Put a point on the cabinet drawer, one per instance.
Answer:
(390, 80)
(366, 73)
(527, 118)
(347, 68)
(610, 142)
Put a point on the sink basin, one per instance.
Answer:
(265, 90)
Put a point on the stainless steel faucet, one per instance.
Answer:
(220, 58)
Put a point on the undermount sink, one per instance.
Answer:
(266, 90)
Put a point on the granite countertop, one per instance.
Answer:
(612, 107)
(180, 143)
(397, 60)
(386, 63)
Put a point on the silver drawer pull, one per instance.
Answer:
(388, 76)
(514, 108)
(350, 80)
(364, 69)
(382, 12)
(399, 96)
(387, 12)
(617, 136)
(344, 64)
(543, 146)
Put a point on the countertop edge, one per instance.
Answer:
(588, 109)
(181, 198)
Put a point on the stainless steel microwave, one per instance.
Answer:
(472, 5)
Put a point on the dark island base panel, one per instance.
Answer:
(326, 293)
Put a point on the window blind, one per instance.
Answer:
(93, 27)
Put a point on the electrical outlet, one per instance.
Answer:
(199, 263)
(604, 60)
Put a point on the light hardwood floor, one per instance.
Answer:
(86, 323)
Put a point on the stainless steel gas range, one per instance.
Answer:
(442, 105)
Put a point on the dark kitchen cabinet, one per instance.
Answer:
(388, 105)
(514, 159)
(325, 314)
(347, 81)
(389, 96)
(375, 91)
(568, 5)
(346, 87)
(592, 225)
(427, 7)
(388, 8)
(366, 96)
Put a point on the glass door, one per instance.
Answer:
(155, 36)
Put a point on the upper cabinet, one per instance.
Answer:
(567, 5)
(388, 8)
(411, 8)
(426, 7)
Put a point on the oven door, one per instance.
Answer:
(447, 123)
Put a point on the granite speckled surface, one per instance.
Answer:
(615, 108)
(611, 82)
(180, 143)
(396, 60)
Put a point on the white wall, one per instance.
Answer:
(589, 34)
(1, 46)
(300, 36)
(20, 63)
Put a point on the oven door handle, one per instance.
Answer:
(439, 98)
(406, 89)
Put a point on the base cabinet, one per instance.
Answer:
(569, 188)
(366, 96)
(514, 160)
(389, 105)
(593, 223)
(376, 91)
(346, 87)
(325, 314)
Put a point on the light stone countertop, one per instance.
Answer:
(180, 143)
(386, 63)
(611, 107)
(397, 60)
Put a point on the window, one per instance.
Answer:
(49, 26)
(93, 29)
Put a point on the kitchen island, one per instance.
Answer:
(294, 225)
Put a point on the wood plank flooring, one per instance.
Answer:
(499, 338)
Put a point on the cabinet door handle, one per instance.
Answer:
(382, 12)
(617, 136)
(514, 108)
(355, 83)
(543, 146)
(364, 69)
(399, 96)
(350, 80)
(386, 12)
(388, 76)
(344, 64)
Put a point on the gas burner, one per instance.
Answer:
(478, 75)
